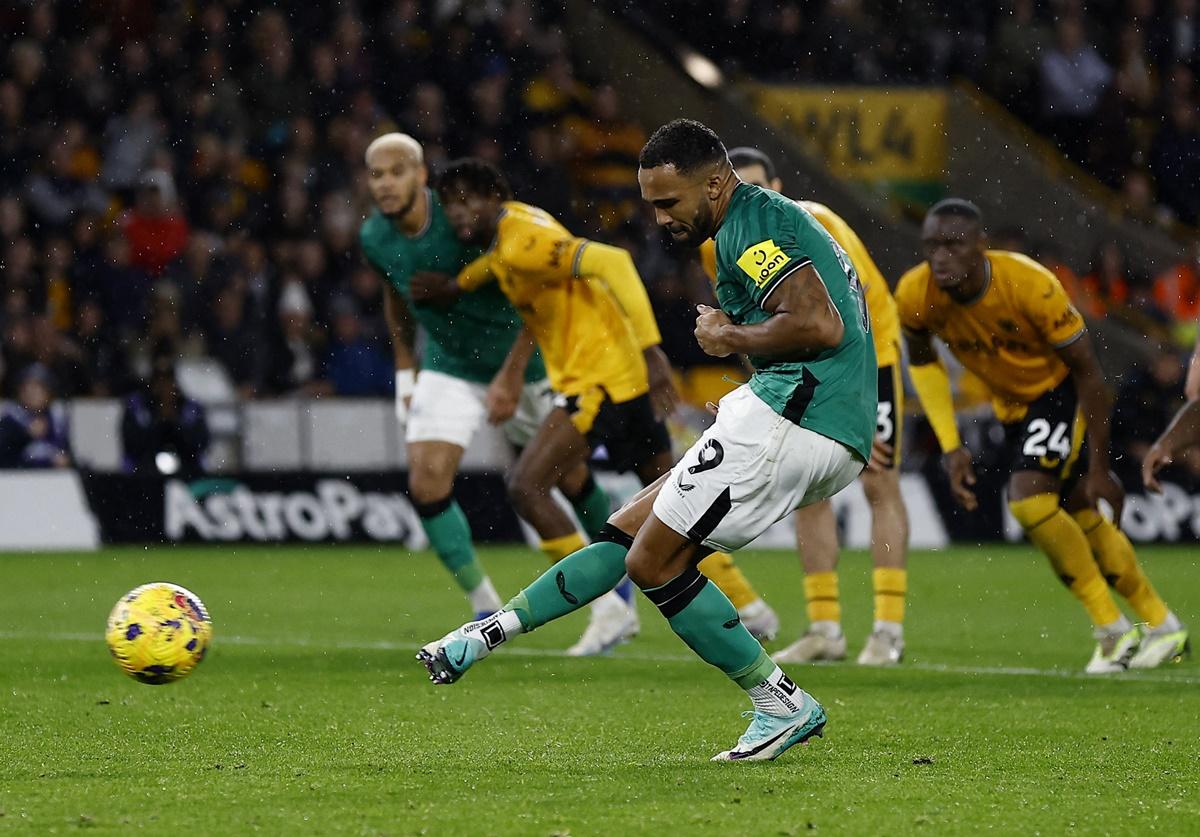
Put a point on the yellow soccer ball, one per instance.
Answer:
(158, 632)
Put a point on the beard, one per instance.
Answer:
(404, 209)
(701, 228)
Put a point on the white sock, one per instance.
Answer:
(1169, 625)
(484, 597)
(496, 630)
(1121, 626)
(777, 695)
(892, 629)
(826, 628)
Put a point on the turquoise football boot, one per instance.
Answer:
(770, 735)
(448, 658)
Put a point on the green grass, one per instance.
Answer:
(310, 715)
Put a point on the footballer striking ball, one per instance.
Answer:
(158, 632)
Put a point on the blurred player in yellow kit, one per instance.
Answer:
(585, 306)
(1008, 320)
(816, 526)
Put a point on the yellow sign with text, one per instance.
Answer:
(762, 261)
(867, 133)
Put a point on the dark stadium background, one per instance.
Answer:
(184, 180)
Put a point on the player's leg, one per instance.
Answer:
(1165, 637)
(816, 537)
(643, 442)
(1043, 447)
(751, 468)
(889, 578)
(571, 583)
(446, 412)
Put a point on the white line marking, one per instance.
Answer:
(517, 651)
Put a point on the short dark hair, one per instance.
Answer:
(744, 155)
(473, 176)
(683, 143)
(958, 208)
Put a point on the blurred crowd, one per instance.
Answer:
(1112, 82)
(185, 180)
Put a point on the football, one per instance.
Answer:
(158, 632)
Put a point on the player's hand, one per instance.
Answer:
(1156, 459)
(406, 380)
(663, 394)
(962, 475)
(1101, 484)
(710, 328)
(881, 456)
(503, 396)
(433, 288)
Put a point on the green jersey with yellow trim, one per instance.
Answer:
(763, 240)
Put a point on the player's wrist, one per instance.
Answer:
(406, 382)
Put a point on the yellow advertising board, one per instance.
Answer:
(874, 134)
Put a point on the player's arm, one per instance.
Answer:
(615, 267)
(931, 381)
(804, 322)
(1191, 385)
(1182, 433)
(1096, 404)
(504, 392)
(400, 327)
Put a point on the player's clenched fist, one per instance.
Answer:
(710, 329)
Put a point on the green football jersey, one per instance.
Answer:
(764, 238)
(469, 339)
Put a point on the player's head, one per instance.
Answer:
(472, 190)
(753, 166)
(395, 173)
(953, 242)
(683, 172)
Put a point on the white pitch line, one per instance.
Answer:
(517, 651)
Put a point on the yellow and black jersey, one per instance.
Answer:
(881, 308)
(583, 301)
(1008, 336)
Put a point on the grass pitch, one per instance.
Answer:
(310, 715)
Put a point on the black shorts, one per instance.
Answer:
(889, 415)
(1050, 438)
(624, 435)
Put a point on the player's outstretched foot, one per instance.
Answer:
(612, 622)
(811, 647)
(1168, 643)
(883, 648)
(760, 620)
(1114, 650)
(769, 735)
(448, 658)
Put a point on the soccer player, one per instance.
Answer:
(798, 432)
(442, 406)
(816, 526)
(1008, 320)
(585, 306)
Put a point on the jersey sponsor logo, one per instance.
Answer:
(976, 346)
(1066, 318)
(558, 252)
(763, 261)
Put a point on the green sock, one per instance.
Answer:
(592, 507)
(708, 622)
(450, 537)
(570, 584)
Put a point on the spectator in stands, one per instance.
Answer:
(162, 431)
(1177, 38)
(1177, 289)
(1073, 79)
(234, 340)
(1106, 287)
(296, 366)
(356, 366)
(131, 139)
(34, 432)
(57, 193)
(1175, 161)
(605, 146)
(155, 229)
(1020, 39)
(122, 287)
(102, 361)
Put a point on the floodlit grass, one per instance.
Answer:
(310, 715)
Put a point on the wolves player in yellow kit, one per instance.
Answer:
(816, 527)
(585, 306)
(1008, 320)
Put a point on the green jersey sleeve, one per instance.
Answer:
(768, 260)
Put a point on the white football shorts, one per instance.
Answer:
(448, 409)
(750, 469)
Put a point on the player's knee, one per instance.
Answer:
(523, 491)
(881, 487)
(645, 570)
(428, 485)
